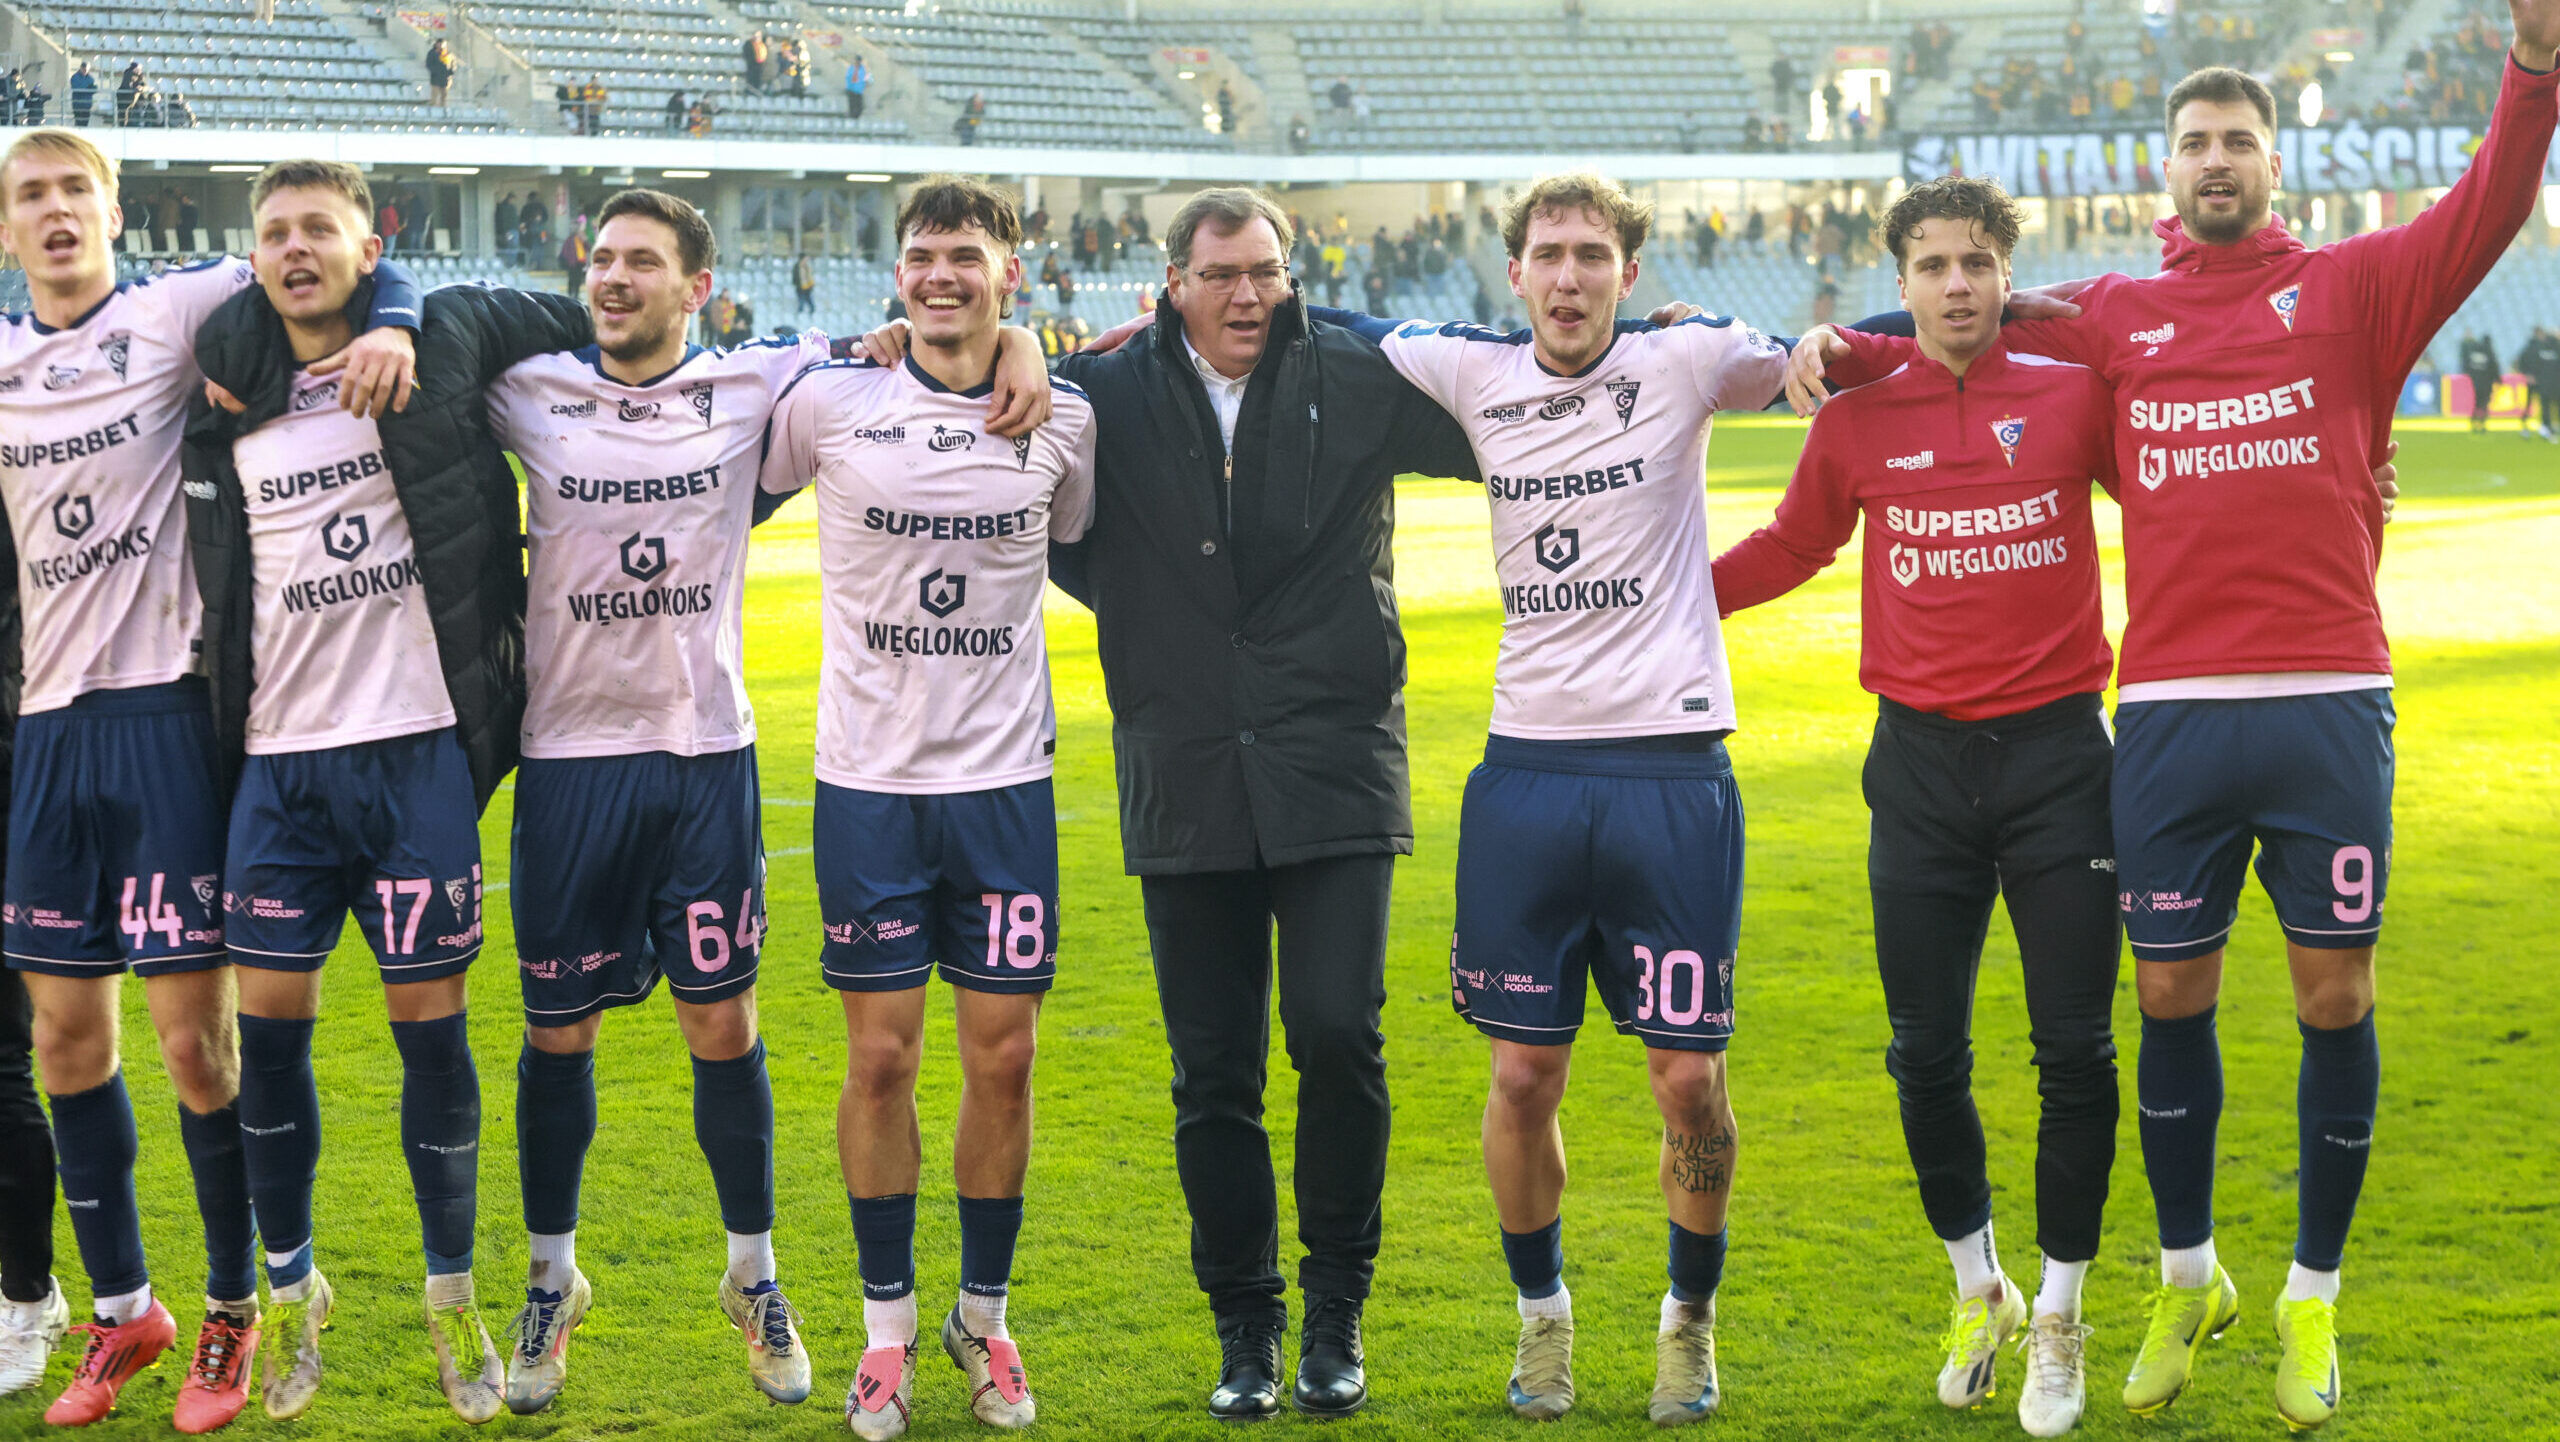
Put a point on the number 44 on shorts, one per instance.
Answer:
(157, 915)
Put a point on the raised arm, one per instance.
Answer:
(1816, 517)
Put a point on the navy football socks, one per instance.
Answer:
(1697, 1263)
(2178, 1082)
(440, 1135)
(1536, 1260)
(733, 1124)
(222, 1198)
(884, 1238)
(989, 1227)
(555, 1124)
(280, 1138)
(94, 1134)
(2341, 1084)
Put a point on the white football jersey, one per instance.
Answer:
(638, 500)
(933, 540)
(339, 637)
(92, 415)
(1597, 483)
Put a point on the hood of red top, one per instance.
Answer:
(2180, 251)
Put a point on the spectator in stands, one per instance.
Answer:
(1782, 84)
(718, 316)
(128, 88)
(1832, 114)
(565, 96)
(742, 324)
(420, 219)
(795, 65)
(1065, 286)
(1300, 136)
(533, 225)
(698, 118)
(574, 250)
(2540, 362)
(1035, 226)
(804, 284)
(1374, 290)
(857, 85)
(972, 115)
(189, 218)
(440, 68)
(677, 112)
(10, 91)
(84, 94)
(1755, 134)
(1226, 109)
(2480, 363)
(591, 97)
(1756, 230)
(175, 113)
(1339, 93)
(759, 61)
(386, 224)
(502, 223)
(1330, 261)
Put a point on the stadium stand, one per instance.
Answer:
(306, 69)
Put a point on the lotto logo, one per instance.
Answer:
(1560, 407)
(946, 438)
(643, 411)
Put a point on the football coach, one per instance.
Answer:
(1239, 572)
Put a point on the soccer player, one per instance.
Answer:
(936, 833)
(115, 829)
(1601, 840)
(2256, 379)
(360, 624)
(1982, 636)
(639, 850)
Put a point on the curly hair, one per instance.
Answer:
(1980, 203)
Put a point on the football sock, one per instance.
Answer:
(123, 1307)
(280, 1139)
(2303, 1283)
(449, 1289)
(295, 1264)
(2178, 1083)
(1697, 1263)
(983, 1316)
(1536, 1260)
(222, 1200)
(884, 1244)
(1557, 1304)
(2189, 1266)
(750, 1258)
(2060, 1294)
(733, 1124)
(1977, 1261)
(890, 1323)
(2341, 1083)
(93, 1133)
(1679, 1311)
(551, 1259)
(988, 1227)
(440, 1133)
(555, 1124)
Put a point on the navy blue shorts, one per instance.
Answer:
(115, 836)
(2306, 780)
(1621, 864)
(388, 829)
(966, 881)
(627, 868)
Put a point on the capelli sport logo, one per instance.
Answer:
(1505, 414)
(577, 410)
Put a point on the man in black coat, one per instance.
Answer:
(364, 641)
(1239, 571)
(2540, 362)
(2480, 365)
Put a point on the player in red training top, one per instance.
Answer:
(1984, 638)
(2256, 379)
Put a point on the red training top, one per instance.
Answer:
(1980, 592)
(2255, 383)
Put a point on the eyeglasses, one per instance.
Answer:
(1265, 279)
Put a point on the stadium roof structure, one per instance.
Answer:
(501, 151)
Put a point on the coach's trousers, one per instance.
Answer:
(1965, 814)
(26, 1154)
(1212, 937)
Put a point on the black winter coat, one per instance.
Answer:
(455, 489)
(1254, 663)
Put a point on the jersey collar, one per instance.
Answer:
(593, 355)
(86, 316)
(979, 391)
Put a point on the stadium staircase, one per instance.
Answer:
(491, 74)
(1284, 78)
(896, 88)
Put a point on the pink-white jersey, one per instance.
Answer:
(933, 540)
(343, 649)
(92, 414)
(1597, 483)
(638, 501)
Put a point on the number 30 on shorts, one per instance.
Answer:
(1656, 988)
(1017, 929)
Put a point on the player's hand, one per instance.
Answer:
(1673, 313)
(216, 395)
(2537, 44)
(2386, 480)
(1119, 335)
(886, 346)
(1019, 403)
(380, 371)
(1806, 364)
(2048, 302)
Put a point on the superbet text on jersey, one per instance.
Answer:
(934, 542)
(638, 502)
(91, 416)
(1599, 516)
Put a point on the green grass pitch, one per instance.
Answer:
(1836, 1290)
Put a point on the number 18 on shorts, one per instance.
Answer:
(964, 882)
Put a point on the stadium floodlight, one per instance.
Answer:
(2314, 105)
(867, 177)
(685, 174)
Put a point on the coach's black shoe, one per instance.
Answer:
(1332, 1378)
(1248, 1368)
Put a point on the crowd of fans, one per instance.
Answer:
(135, 100)
(776, 64)
(2455, 78)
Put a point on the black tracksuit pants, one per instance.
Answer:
(26, 1154)
(1212, 937)
(1965, 813)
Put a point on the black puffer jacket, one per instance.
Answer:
(1255, 667)
(454, 484)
